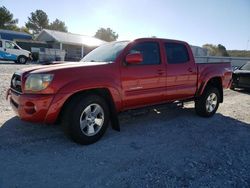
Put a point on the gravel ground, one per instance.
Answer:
(164, 147)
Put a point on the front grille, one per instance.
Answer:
(16, 83)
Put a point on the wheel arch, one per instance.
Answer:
(105, 93)
(212, 82)
(22, 55)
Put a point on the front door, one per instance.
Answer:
(144, 83)
(11, 50)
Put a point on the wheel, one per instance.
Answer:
(22, 59)
(208, 103)
(86, 119)
(232, 87)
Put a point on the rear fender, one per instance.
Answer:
(215, 81)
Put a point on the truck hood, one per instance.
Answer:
(28, 52)
(58, 66)
(242, 71)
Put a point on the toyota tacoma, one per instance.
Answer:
(118, 76)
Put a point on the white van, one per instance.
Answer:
(10, 51)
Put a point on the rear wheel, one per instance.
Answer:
(86, 119)
(208, 103)
(22, 59)
(232, 87)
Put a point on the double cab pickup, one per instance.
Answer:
(118, 76)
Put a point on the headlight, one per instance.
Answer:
(38, 82)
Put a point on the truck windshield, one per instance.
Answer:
(246, 66)
(105, 53)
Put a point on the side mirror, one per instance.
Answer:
(134, 58)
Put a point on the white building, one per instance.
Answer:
(76, 46)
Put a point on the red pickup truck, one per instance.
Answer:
(85, 96)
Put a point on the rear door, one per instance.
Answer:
(181, 71)
(144, 83)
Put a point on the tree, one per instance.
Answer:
(106, 34)
(6, 19)
(24, 29)
(38, 21)
(239, 53)
(211, 49)
(214, 50)
(58, 25)
(222, 50)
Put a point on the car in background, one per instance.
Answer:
(241, 77)
(10, 51)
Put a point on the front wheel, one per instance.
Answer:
(22, 59)
(86, 119)
(208, 103)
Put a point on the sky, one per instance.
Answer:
(198, 22)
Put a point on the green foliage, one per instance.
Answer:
(37, 21)
(106, 34)
(239, 53)
(24, 29)
(6, 19)
(58, 25)
(211, 49)
(222, 51)
(214, 50)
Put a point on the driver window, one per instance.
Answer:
(10, 45)
(150, 52)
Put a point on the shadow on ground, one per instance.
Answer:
(163, 147)
(245, 91)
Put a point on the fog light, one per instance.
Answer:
(30, 108)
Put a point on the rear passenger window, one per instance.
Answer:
(176, 53)
(150, 52)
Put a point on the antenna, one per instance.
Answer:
(247, 44)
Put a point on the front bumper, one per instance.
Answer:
(30, 58)
(28, 107)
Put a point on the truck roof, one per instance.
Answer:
(159, 39)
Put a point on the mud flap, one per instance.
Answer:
(114, 120)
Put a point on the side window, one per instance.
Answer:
(1, 44)
(11, 45)
(150, 52)
(176, 53)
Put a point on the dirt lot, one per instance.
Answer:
(167, 147)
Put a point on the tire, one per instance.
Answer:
(232, 87)
(86, 119)
(22, 59)
(208, 103)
